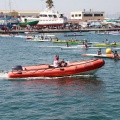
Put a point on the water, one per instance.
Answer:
(69, 98)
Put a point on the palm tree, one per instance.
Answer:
(49, 4)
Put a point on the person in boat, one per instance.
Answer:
(85, 45)
(107, 42)
(50, 39)
(72, 40)
(115, 54)
(84, 42)
(67, 44)
(56, 39)
(58, 63)
(75, 39)
(114, 43)
(99, 51)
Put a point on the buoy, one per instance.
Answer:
(108, 51)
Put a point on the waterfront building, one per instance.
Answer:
(21, 12)
(86, 16)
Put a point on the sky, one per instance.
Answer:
(110, 7)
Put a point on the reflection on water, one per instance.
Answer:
(59, 80)
(90, 83)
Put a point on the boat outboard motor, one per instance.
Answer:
(18, 67)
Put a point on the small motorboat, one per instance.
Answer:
(80, 46)
(83, 67)
(39, 40)
(71, 42)
(106, 45)
(102, 56)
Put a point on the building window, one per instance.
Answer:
(79, 15)
(96, 15)
(72, 15)
(76, 15)
(87, 15)
(43, 15)
(54, 16)
(50, 15)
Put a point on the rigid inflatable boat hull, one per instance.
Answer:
(74, 68)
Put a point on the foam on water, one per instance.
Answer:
(3, 75)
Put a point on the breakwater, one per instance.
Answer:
(60, 30)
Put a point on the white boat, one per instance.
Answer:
(20, 36)
(109, 33)
(111, 56)
(50, 46)
(39, 40)
(114, 33)
(6, 35)
(48, 18)
(44, 36)
(80, 46)
(96, 55)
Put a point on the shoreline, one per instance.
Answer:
(60, 30)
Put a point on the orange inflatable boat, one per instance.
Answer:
(46, 70)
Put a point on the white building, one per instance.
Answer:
(85, 16)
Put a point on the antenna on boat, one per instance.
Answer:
(10, 5)
(42, 4)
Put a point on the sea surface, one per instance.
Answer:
(69, 98)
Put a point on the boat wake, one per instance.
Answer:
(53, 78)
(3, 74)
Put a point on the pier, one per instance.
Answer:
(59, 30)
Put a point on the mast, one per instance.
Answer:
(10, 5)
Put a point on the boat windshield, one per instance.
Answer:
(50, 15)
(54, 16)
(43, 15)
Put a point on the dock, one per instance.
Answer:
(59, 30)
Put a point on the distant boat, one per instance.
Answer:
(106, 45)
(48, 18)
(31, 23)
(71, 42)
(44, 36)
(102, 56)
(39, 38)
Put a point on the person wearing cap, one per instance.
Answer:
(114, 43)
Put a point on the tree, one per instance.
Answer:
(49, 4)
